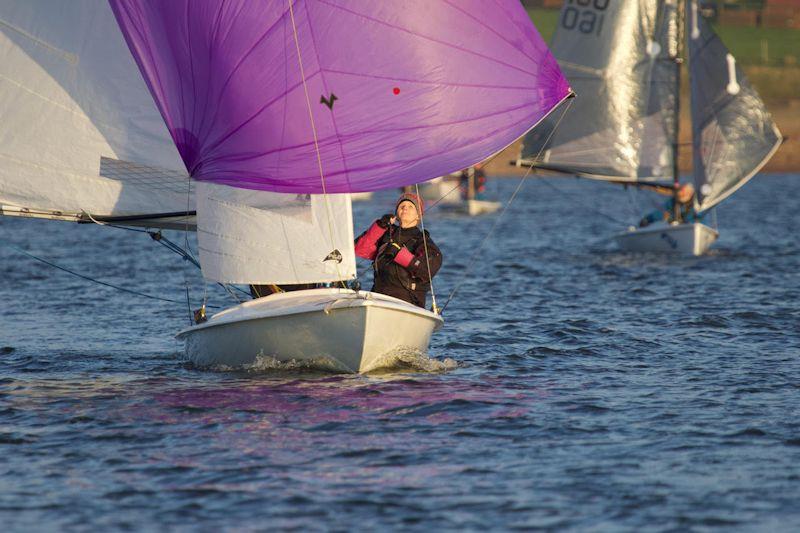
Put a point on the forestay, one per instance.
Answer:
(80, 132)
(619, 59)
(733, 133)
(389, 93)
(249, 236)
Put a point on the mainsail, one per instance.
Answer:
(389, 93)
(620, 59)
(80, 133)
(733, 133)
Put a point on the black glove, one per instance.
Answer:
(392, 249)
(385, 221)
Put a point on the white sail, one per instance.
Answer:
(96, 142)
(619, 59)
(262, 237)
(733, 133)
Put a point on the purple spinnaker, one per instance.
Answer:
(422, 87)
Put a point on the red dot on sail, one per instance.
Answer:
(396, 90)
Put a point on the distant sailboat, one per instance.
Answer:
(623, 59)
(459, 192)
(251, 122)
(361, 196)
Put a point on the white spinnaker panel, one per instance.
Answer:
(79, 130)
(262, 237)
(733, 134)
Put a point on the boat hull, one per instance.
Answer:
(685, 239)
(443, 190)
(342, 329)
(481, 207)
(360, 196)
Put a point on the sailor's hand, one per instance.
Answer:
(392, 250)
(385, 221)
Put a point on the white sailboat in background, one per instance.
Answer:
(624, 59)
(459, 192)
(361, 196)
(224, 136)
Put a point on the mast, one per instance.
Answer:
(678, 41)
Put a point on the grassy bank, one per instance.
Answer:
(770, 56)
(750, 45)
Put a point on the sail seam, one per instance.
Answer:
(492, 30)
(431, 39)
(327, 91)
(425, 82)
(69, 57)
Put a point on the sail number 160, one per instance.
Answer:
(584, 17)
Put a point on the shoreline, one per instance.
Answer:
(786, 159)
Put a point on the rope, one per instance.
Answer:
(316, 141)
(503, 212)
(187, 253)
(445, 195)
(587, 206)
(485, 239)
(434, 308)
(169, 245)
(87, 278)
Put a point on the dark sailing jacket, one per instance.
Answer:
(686, 213)
(399, 261)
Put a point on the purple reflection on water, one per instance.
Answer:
(339, 399)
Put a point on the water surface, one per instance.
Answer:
(594, 389)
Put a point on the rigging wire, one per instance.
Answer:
(435, 309)
(87, 278)
(587, 205)
(159, 237)
(633, 202)
(316, 141)
(188, 251)
(497, 220)
(445, 195)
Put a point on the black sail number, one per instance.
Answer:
(585, 16)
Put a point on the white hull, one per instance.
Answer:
(444, 190)
(481, 207)
(686, 239)
(351, 330)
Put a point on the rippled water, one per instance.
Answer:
(594, 389)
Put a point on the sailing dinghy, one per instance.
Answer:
(451, 194)
(251, 123)
(624, 59)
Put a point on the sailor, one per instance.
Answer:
(685, 211)
(404, 259)
(476, 192)
(259, 291)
